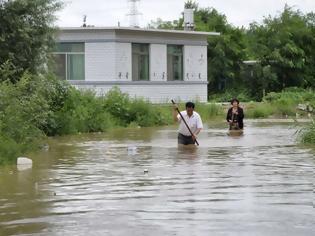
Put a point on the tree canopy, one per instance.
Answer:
(26, 35)
(281, 47)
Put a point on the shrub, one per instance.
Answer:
(208, 111)
(24, 109)
(228, 95)
(308, 134)
(262, 110)
(127, 110)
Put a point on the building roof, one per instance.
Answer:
(139, 30)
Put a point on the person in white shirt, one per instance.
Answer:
(192, 119)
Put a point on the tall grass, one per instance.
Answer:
(308, 134)
(36, 107)
(285, 103)
(259, 110)
(209, 111)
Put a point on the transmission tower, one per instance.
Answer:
(134, 13)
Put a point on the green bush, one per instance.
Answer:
(259, 110)
(209, 111)
(285, 106)
(127, 110)
(308, 134)
(273, 96)
(228, 95)
(293, 95)
(285, 102)
(8, 150)
(24, 110)
(82, 112)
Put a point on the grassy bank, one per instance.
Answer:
(308, 134)
(282, 105)
(40, 106)
(36, 107)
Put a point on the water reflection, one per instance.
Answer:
(260, 183)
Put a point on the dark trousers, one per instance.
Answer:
(185, 140)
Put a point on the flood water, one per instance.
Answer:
(138, 182)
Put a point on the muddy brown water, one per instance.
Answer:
(260, 183)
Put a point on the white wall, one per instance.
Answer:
(158, 62)
(107, 61)
(123, 66)
(111, 63)
(195, 63)
(157, 93)
(99, 61)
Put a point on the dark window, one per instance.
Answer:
(140, 62)
(175, 62)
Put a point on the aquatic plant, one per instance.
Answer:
(307, 134)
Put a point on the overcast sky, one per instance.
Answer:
(109, 12)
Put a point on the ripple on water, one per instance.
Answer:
(257, 184)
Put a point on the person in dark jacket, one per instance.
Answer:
(235, 116)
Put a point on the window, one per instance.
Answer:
(69, 59)
(175, 62)
(140, 62)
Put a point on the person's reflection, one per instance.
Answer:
(188, 151)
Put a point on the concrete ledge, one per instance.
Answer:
(135, 83)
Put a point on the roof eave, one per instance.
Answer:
(201, 33)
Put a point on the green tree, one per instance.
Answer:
(170, 25)
(286, 43)
(190, 4)
(225, 52)
(26, 35)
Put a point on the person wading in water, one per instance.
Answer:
(193, 121)
(235, 116)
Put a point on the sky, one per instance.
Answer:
(110, 12)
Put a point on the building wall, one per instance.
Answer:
(123, 66)
(195, 63)
(108, 63)
(155, 92)
(158, 62)
(86, 36)
(100, 61)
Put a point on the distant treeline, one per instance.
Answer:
(281, 50)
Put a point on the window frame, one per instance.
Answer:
(66, 54)
(182, 61)
(139, 53)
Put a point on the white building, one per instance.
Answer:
(157, 65)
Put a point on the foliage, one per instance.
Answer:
(259, 110)
(209, 111)
(81, 112)
(171, 25)
(37, 106)
(190, 4)
(26, 34)
(228, 95)
(282, 49)
(307, 134)
(24, 109)
(285, 43)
